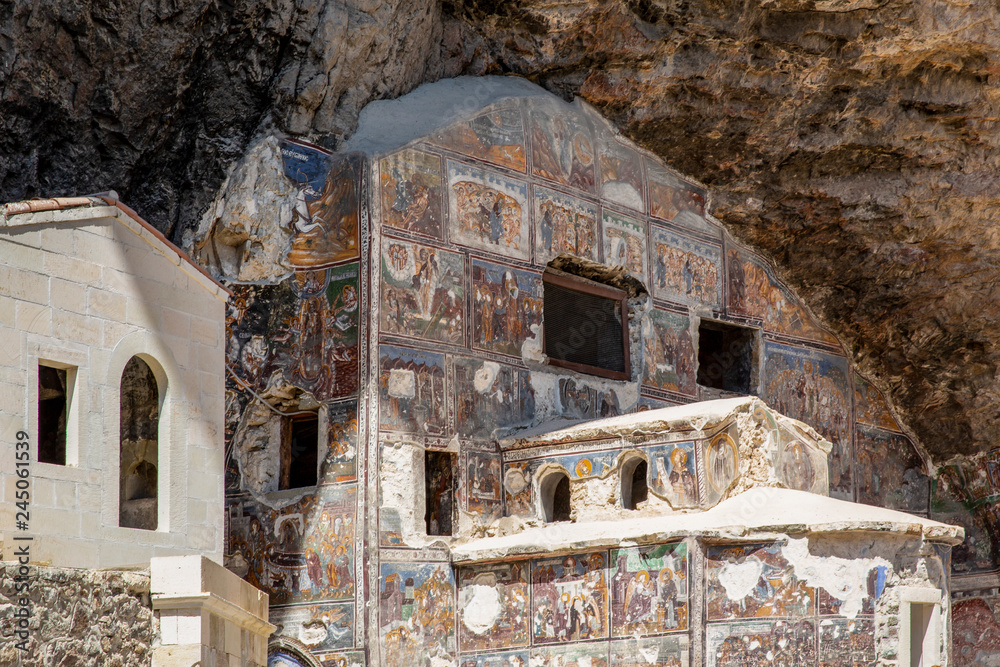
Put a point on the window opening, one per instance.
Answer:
(139, 425)
(555, 497)
(440, 492)
(634, 487)
(299, 451)
(725, 356)
(53, 410)
(586, 325)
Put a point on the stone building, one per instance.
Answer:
(416, 321)
(111, 406)
(110, 362)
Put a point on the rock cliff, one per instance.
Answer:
(852, 141)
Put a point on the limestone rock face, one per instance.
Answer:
(157, 99)
(854, 142)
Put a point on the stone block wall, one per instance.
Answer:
(78, 617)
(86, 289)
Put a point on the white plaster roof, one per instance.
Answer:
(690, 417)
(760, 513)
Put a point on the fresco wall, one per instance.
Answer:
(412, 316)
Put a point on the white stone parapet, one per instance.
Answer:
(206, 615)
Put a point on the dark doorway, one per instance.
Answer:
(439, 486)
(725, 356)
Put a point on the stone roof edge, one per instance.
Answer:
(562, 538)
(42, 211)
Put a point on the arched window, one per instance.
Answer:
(139, 426)
(554, 494)
(635, 489)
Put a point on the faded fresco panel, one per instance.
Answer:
(483, 484)
(755, 292)
(800, 465)
(649, 590)
(569, 599)
(674, 200)
(573, 655)
(828, 605)
(505, 659)
(669, 651)
(669, 352)
(496, 136)
(412, 190)
(507, 303)
(576, 399)
(621, 175)
(672, 473)
(502, 588)
(340, 462)
(890, 472)
(305, 329)
(784, 643)
(416, 614)
(732, 592)
(423, 292)
(491, 396)
(564, 223)
(686, 270)
(517, 489)
(321, 626)
(325, 220)
(813, 387)
(585, 464)
(625, 243)
(488, 211)
(847, 642)
(412, 394)
(301, 553)
(562, 150)
(721, 455)
(975, 631)
(871, 407)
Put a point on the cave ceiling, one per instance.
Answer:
(854, 142)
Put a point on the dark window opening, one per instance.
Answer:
(299, 451)
(555, 496)
(439, 485)
(53, 408)
(139, 427)
(725, 357)
(586, 325)
(634, 487)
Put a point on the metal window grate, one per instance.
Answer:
(586, 326)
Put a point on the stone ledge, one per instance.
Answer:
(759, 514)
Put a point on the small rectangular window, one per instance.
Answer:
(586, 326)
(725, 356)
(54, 393)
(299, 451)
(439, 482)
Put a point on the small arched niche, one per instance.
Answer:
(138, 439)
(635, 487)
(554, 496)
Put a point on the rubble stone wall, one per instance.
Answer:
(78, 617)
